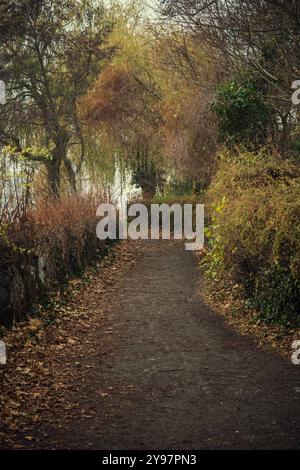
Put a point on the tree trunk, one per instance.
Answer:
(54, 178)
(59, 154)
(71, 174)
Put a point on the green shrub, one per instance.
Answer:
(254, 204)
(242, 111)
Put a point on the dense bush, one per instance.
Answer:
(41, 247)
(255, 230)
(242, 111)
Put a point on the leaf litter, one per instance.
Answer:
(44, 367)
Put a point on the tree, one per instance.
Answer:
(47, 67)
(12, 16)
(153, 101)
(261, 37)
(124, 105)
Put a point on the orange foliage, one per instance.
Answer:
(188, 131)
(120, 104)
(112, 99)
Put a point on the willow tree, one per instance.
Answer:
(47, 67)
(123, 105)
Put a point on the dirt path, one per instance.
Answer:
(165, 372)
